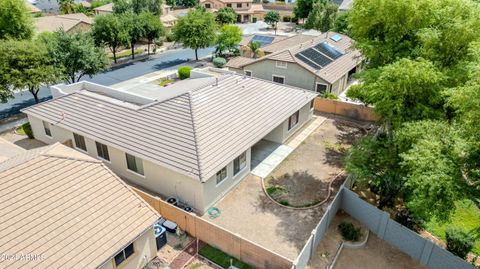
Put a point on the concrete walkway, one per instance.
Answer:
(266, 155)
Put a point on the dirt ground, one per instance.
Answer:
(303, 177)
(198, 264)
(376, 254)
(21, 140)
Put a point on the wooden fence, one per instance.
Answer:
(216, 236)
(354, 111)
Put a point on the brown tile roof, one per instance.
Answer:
(68, 208)
(331, 72)
(8, 149)
(239, 61)
(106, 8)
(67, 22)
(287, 43)
(195, 133)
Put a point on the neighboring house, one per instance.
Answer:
(70, 23)
(32, 9)
(273, 43)
(105, 9)
(191, 139)
(167, 18)
(246, 10)
(322, 64)
(63, 209)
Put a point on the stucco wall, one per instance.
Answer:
(145, 250)
(281, 133)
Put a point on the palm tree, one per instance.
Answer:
(255, 48)
(66, 6)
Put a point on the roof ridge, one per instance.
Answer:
(189, 96)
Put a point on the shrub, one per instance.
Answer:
(407, 219)
(348, 231)
(459, 242)
(329, 95)
(286, 18)
(219, 62)
(169, 37)
(184, 72)
(27, 129)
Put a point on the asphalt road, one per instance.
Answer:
(115, 75)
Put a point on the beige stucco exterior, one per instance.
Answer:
(145, 250)
(245, 9)
(165, 181)
(294, 74)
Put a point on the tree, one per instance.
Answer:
(66, 6)
(137, 6)
(26, 65)
(228, 39)
(254, 47)
(302, 8)
(76, 55)
(404, 91)
(134, 29)
(109, 30)
(272, 18)
(195, 30)
(15, 20)
(323, 16)
(152, 27)
(341, 24)
(187, 3)
(226, 15)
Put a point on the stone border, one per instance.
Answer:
(308, 207)
(348, 244)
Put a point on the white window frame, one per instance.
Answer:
(47, 125)
(220, 173)
(76, 146)
(245, 73)
(284, 80)
(281, 64)
(319, 83)
(132, 171)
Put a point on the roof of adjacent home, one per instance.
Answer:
(107, 8)
(67, 22)
(333, 70)
(197, 130)
(67, 208)
(8, 150)
(238, 62)
(31, 8)
(271, 39)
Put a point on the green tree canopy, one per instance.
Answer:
(229, 38)
(322, 16)
(196, 30)
(152, 27)
(137, 6)
(66, 6)
(302, 8)
(135, 29)
(272, 18)
(25, 65)
(76, 55)
(108, 30)
(226, 15)
(15, 20)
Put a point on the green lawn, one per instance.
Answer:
(466, 216)
(219, 257)
(165, 81)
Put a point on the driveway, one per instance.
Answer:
(163, 61)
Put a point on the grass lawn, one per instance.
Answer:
(125, 53)
(20, 130)
(219, 257)
(466, 216)
(165, 81)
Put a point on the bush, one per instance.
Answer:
(407, 219)
(219, 62)
(459, 242)
(169, 37)
(27, 129)
(286, 18)
(329, 95)
(349, 232)
(184, 72)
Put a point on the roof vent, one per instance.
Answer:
(336, 37)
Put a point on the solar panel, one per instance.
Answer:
(316, 57)
(305, 60)
(336, 38)
(328, 50)
(263, 40)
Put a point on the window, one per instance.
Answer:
(248, 73)
(278, 79)
(311, 104)
(134, 164)
(229, 5)
(207, 6)
(239, 163)
(46, 127)
(124, 254)
(102, 151)
(221, 175)
(239, 4)
(321, 88)
(293, 120)
(80, 142)
(281, 64)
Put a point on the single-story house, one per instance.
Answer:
(191, 140)
(63, 209)
(70, 23)
(322, 64)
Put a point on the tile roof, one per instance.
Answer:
(331, 72)
(8, 150)
(67, 208)
(67, 22)
(246, 39)
(107, 8)
(238, 62)
(195, 133)
(287, 43)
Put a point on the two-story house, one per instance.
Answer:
(246, 10)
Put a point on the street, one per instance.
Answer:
(115, 75)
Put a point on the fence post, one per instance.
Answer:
(312, 246)
(426, 252)
(383, 225)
